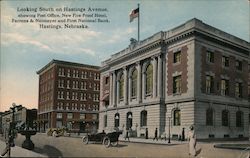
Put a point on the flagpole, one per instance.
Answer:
(139, 22)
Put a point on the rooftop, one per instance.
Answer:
(61, 62)
(190, 25)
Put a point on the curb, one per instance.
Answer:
(231, 146)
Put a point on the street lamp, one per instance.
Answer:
(169, 119)
(10, 142)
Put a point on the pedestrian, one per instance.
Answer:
(146, 134)
(192, 141)
(127, 134)
(156, 133)
(164, 136)
(183, 134)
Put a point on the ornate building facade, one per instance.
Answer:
(68, 96)
(193, 74)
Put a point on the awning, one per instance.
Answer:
(105, 97)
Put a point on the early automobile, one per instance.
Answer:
(106, 139)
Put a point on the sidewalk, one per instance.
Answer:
(151, 141)
(19, 152)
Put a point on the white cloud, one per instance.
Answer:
(88, 51)
(12, 38)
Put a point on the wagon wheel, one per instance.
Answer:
(114, 143)
(106, 142)
(85, 140)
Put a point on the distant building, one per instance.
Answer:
(1, 126)
(193, 74)
(23, 118)
(68, 96)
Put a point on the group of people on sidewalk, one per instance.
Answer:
(191, 137)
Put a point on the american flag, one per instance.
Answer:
(134, 13)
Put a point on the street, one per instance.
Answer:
(73, 147)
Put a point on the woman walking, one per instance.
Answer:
(192, 141)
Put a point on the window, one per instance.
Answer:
(238, 90)
(225, 118)
(177, 117)
(121, 87)
(238, 65)
(134, 83)
(149, 79)
(60, 95)
(77, 74)
(129, 120)
(209, 84)
(68, 73)
(249, 92)
(209, 117)
(69, 115)
(106, 80)
(177, 84)
(84, 96)
(82, 116)
(225, 61)
(210, 56)
(76, 85)
(68, 84)
(239, 119)
(177, 57)
(85, 86)
(105, 121)
(117, 120)
(67, 95)
(224, 87)
(59, 115)
(249, 119)
(60, 72)
(143, 118)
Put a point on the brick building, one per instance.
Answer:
(68, 96)
(193, 74)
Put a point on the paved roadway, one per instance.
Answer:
(73, 147)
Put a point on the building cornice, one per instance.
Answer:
(66, 63)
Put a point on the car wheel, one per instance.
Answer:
(114, 143)
(85, 140)
(106, 142)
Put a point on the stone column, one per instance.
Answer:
(111, 89)
(154, 76)
(125, 85)
(129, 87)
(139, 83)
(114, 90)
(159, 78)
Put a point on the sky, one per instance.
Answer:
(25, 48)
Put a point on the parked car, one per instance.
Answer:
(56, 132)
(106, 139)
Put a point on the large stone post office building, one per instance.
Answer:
(193, 74)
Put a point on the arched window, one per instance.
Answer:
(117, 120)
(143, 118)
(149, 79)
(209, 117)
(121, 87)
(177, 117)
(239, 119)
(129, 120)
(225, 118)
(134, 84)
